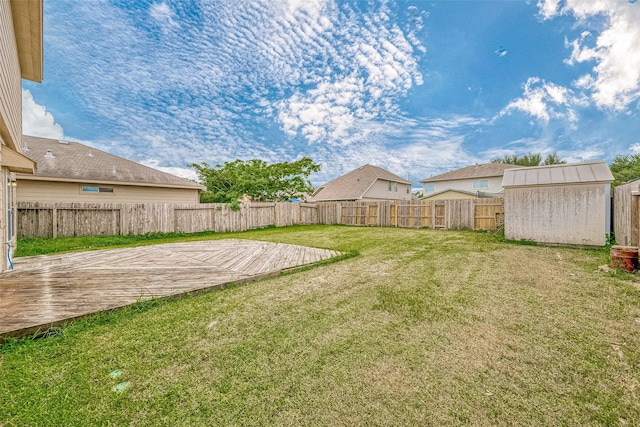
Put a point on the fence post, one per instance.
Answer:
(54, 223)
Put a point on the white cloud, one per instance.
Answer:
(544, 101)
(37, 121)
(635, 148)
(164, 15)
(614, 81)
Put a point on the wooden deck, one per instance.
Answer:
(44, 291)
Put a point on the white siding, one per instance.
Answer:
(494, 185)
(380, 191)
(567, 214)
(50, 191)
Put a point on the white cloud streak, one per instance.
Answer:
(307, 71)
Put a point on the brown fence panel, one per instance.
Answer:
(489, 214)
(193, 218)
(35, 222)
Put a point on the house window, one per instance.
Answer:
(429, 187)
(396, 186)
(92, 189)
(389, 185)
(408, 189)
(482, 183)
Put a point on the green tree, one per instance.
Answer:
(625, 168)
(229, 182)
(530, 159)
(553, 159)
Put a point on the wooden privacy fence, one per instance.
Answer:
(92, 219)
(472, 214)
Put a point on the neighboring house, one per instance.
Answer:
(73, 172)
(483, 180)
(559, 204)
(20, 58)
(367, 183)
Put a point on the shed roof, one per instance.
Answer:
(353, 185)
(571, 173)
(484, 170)
(76, 162)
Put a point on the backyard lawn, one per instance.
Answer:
(421, 327)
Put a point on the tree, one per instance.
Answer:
(625, 168)
(229, 182)
(530, 159)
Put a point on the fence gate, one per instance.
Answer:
(438, 220)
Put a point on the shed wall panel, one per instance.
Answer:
(573, 214)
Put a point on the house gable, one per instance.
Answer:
(365, 182)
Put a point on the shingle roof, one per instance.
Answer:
(72, 161)
(353, 185)
(571, 173)
(485, 170)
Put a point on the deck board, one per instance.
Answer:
(46, 290)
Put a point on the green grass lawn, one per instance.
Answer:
(423, 327)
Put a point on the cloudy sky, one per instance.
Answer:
(416, 87)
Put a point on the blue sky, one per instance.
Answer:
(416, 87)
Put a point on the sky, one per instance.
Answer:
(418, 88)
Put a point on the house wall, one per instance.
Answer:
(10, 81)
(450, 195)
(10, 114)
(380, 191)
(494, 185)
(563, 214)
(52, 191)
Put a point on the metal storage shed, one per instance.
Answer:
(566, 204)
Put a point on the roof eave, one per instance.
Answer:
(27, 24)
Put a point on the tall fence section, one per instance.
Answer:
(90, 219)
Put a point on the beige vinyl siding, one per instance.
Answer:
(10, 82)
(53, 191)
(380, 191)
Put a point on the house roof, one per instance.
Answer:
(353, 185)
(571, 173)
(485, 170)
(72, 161)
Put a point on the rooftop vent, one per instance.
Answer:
(25, 147)
(49, 154)
(113, 171)
(61, 141)
(90, 154)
